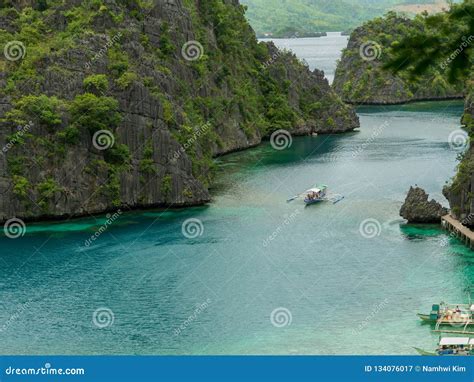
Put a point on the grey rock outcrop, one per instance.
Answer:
(417, 208)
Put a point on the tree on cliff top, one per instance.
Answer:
(447, 42)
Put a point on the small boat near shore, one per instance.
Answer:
(317, 194)
(460, 346)
(449, 314)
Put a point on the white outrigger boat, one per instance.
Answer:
(449, 314)
(453, 345)
(317, 194)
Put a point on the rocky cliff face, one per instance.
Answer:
(361, 79)
(108, 104)
(460, 192)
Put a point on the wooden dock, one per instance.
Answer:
(456, 229)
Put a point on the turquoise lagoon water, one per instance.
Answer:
(343, 293)
(264, 276)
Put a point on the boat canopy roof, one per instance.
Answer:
(317, 188)
(446, 341)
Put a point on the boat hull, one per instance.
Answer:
(424, 352)
(314, 201)
(426, 318)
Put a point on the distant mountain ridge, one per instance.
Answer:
(301, 18)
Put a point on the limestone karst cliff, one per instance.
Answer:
(105, 104)
(361, 78)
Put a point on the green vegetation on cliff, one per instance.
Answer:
(291, 18)
(118, 94)
(360, 76)
(460, 192)
(445, 43)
